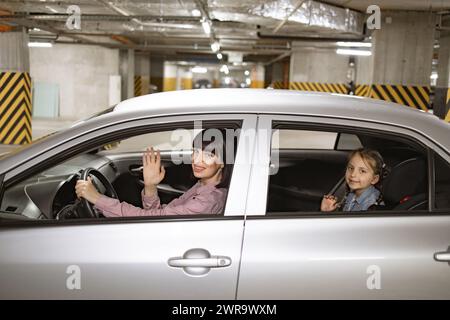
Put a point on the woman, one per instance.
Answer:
(207, 196)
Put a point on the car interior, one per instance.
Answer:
(304, 176)
(51, 193)
(301, 178)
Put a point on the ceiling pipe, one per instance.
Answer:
(312, 39)
(282, 23)
(97, 17)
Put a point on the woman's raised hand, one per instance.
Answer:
(153, 171)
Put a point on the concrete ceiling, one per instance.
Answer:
(261, 30)
(420, 5)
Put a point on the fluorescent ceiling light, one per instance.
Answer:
(196, 13)
(206, 26)
(197, 69)
(39, 44)
(434, 76)
(215, 46)
(247, 72)
(353, 52)
(354, 44)
(219, 56)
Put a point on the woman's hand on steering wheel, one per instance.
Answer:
(86, 189)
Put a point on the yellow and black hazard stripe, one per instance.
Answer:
(319, 87)
(362, 90)
(15, 108)
(278, 85)
(137, 86)
(414, 96)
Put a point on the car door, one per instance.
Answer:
(193, 257)
(366, 255)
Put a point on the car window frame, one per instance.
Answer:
(260, 177)
(236, 197)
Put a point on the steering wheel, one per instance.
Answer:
(87, 207)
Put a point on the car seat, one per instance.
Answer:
(405, 187)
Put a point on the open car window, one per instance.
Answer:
(45, 194)
(308, 164)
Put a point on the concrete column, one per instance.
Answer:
(441, 102)
(216, 79)
(186, 80)
(317, 65)
(14, 52)
(444, 62)
(126, 69)
(156, 74)
(15, 89)
(403, 48)
(170, 77)
(257, 76)
(364, 69)
(142, 73)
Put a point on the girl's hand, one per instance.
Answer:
(85, 189)
(329, 203)
(153, 171)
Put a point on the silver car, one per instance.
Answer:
(271, 242)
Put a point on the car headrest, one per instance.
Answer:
(406, 179)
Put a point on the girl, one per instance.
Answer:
(363, 177)
(207, 196)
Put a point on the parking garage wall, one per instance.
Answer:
(81, 73)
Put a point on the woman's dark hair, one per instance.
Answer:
(217, 142)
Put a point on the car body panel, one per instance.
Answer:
(117, 260)
(335, 257)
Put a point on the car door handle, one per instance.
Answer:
(213, 262)
(198, 262)
(442, 256)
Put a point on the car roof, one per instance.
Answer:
(289, 102)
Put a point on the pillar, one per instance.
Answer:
(442, 90)
(15, 88)
(257, 76)
(399, 69)
(403, 48)
(170, 77)
(156, 74)
(126, 69)
(142, 75)
(216, 78)
(444, 62)
(186, 80)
